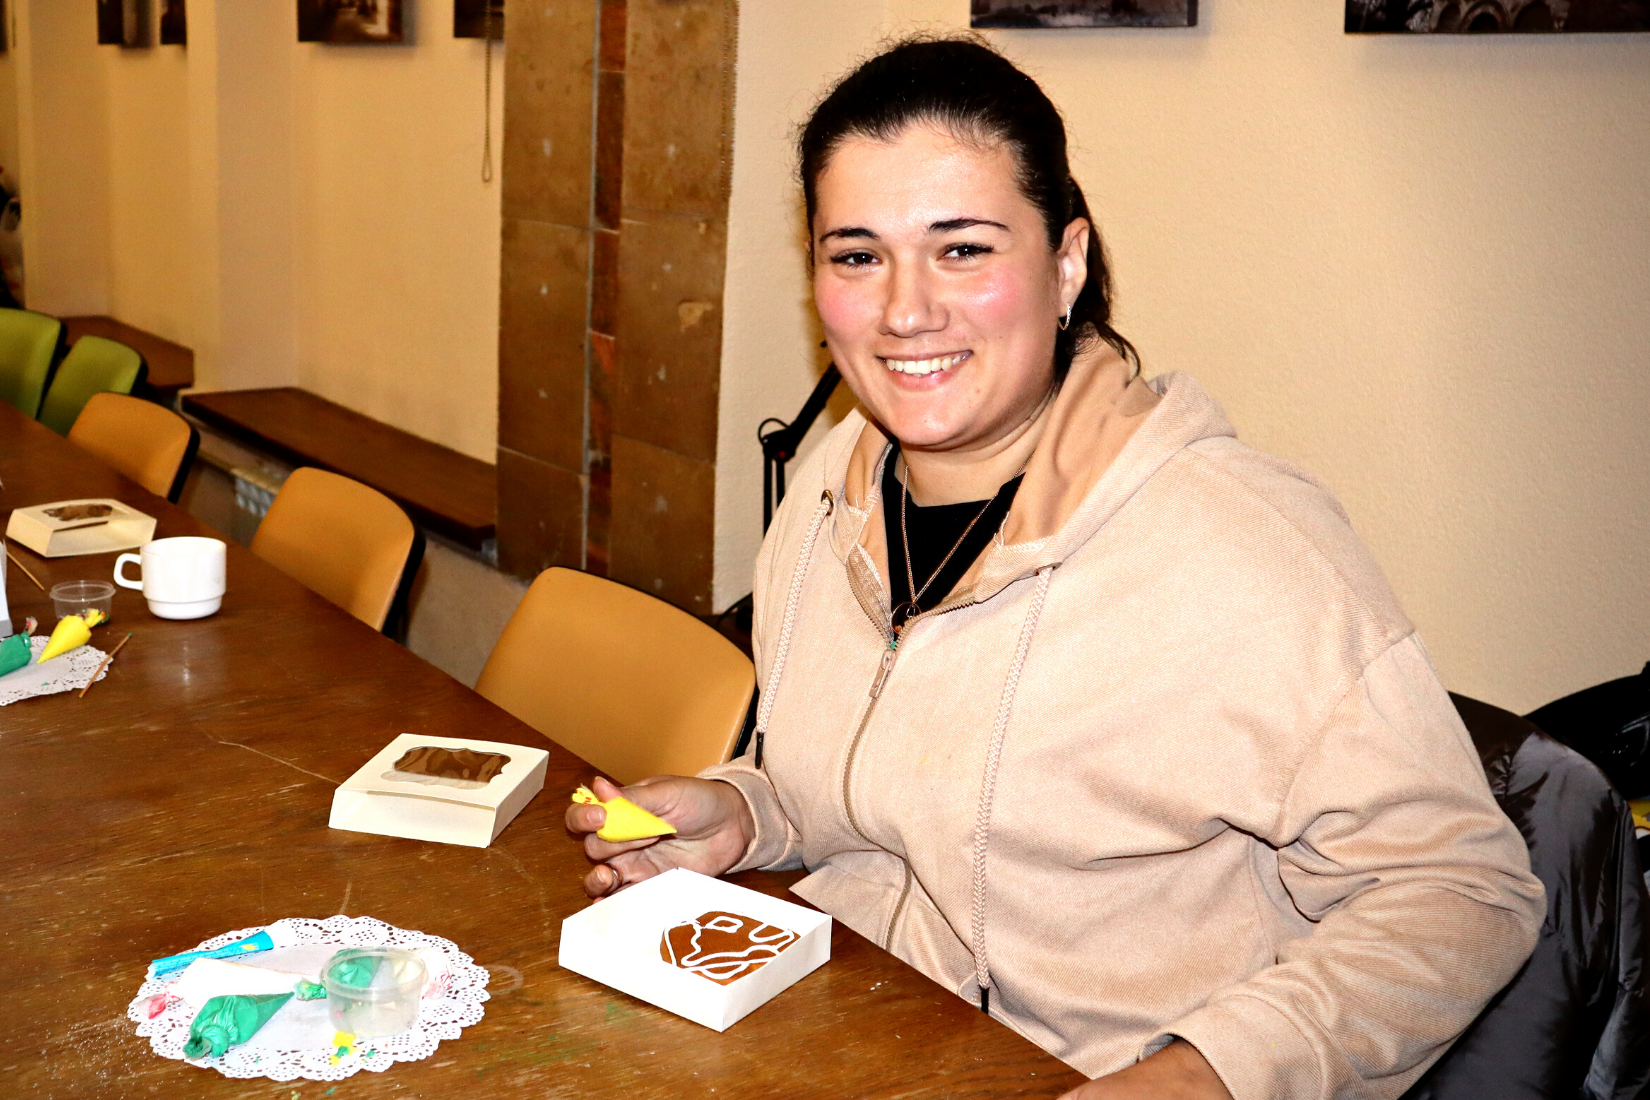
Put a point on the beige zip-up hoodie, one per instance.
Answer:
(1169, 761)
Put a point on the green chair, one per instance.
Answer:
(94, 365)
(28, 344)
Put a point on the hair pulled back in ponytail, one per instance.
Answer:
(978, 96)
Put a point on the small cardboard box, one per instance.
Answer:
(96, 525)
(616, 941)
(371, 802)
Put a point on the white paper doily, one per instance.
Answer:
(439, 1017)
(70, 672)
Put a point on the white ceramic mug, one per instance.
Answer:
(183, 578)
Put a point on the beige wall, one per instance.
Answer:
(297, 213)
(63, 156)
(397, 236)
(148, 133)
(1416, 266)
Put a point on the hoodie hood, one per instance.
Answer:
(1107, 435)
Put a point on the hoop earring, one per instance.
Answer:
(1065, 322)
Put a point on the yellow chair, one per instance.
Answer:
(345, 541)
(633, 685)
(151, 445)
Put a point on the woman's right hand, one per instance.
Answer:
(713, 828)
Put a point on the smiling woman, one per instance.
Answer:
(940, 300)
(1094, 715)
(957, 268)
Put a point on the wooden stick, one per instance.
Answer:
(107, 658)
(25, 569)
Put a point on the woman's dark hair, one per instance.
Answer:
(978, 96)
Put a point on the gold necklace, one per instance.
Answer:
(906, 610)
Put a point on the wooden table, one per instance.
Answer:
(442, 489)
(188, 794)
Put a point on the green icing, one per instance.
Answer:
(14, 653)
(357, 972)
(230, 1020)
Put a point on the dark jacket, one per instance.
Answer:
(1575, 1021)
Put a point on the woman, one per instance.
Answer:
(1094, 715)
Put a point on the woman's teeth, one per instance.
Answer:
(924, 366)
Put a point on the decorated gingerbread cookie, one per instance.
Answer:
(723, 947)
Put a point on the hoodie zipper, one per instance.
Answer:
(884, 667)
(887, 665)
(899, 908)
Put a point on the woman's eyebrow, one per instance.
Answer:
(951, 225)
(858, 232)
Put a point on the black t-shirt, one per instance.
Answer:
(932, 532)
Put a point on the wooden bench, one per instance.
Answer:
(171, 366)
(442, 490)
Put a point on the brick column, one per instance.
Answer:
(618, 139)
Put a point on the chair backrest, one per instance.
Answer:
(28, 343)
(151, 445)
(342, 539)
(633, 685)
(93, 365)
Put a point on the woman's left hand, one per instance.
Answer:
(1177, 1072)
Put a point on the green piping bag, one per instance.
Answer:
(14, 653)
(230, 1020)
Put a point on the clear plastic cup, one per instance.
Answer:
(73, 597)
(373, 991)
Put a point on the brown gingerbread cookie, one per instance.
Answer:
(465, 769)
(723, 947)
(71, 512)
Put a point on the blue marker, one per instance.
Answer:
(261, 941)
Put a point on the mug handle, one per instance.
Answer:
(120, 571)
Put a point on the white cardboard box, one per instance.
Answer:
(369, 803)
(616, 942)
(121, 528)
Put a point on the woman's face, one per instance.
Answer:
(937, 289)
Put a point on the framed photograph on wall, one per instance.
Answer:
(174, 23)
(472, 18)
(349, 20)
(122, 22)
(1495, 16)
(1083, 13)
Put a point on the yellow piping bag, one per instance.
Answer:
(625, 819)
(72, 632)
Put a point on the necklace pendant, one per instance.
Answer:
(903, 613)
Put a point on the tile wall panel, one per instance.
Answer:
(604, 282)
(610, 112)
(599, 446)
(679, 99)
(613, 19)
(541, 350)
(670, 332)
(607, 216)
(662, 531)
(547, 92)
(545, 524)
